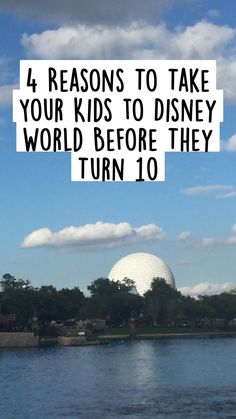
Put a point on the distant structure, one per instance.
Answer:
(142, 268)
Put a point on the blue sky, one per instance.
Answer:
(189, 220)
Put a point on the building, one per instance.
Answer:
(142, 268)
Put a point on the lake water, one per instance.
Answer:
(171, 378)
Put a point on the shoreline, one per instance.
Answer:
(27, 340)
(169, 335)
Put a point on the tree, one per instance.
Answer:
(220, 306)
(112, 300)
(47, 303)
(59, 304)
(103, 287)
(70, 302)
(9, 283)
(161, 302)
(18, 297)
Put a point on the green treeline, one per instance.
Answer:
(116, 302)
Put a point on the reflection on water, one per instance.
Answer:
(190, 378)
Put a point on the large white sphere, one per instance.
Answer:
(142, 268)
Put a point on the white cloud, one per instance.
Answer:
(204, 40)
(206, 288)
(225, 195)
(90, 11)
(230, 145)
(218, 191)
(138, 39)
(227, 66)
(232, 239)
(184, 236)
(6, 73)
(97, 236)
(209, 243)
(7, 81)
(205, 243)
(6, 94)
(141, 40)
(234, 228)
